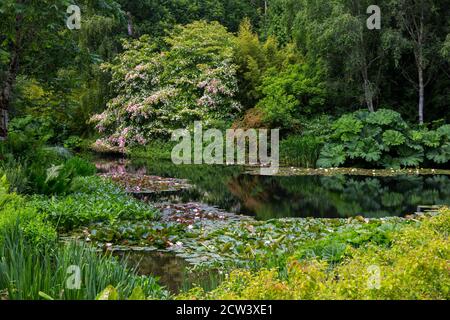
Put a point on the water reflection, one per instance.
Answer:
(267, 197)
(173, 272)
(338, 196)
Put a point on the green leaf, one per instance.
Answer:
(440, 155)
(347, 127)
(331, 155)
(53, 172)
(410, 157)
(137, 294)
(444, 131)
(45, 296)
(431, 139)
(386, 117)
(110, 293)
(371, 151)
(393, 138)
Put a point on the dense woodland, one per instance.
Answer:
(136, 70)
(372, 102)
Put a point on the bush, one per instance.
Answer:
(26, 135)
(155, 149)
(414, 266)
(15, 208)
(301, 151)
(294, 91)
(92, 200)
(73, 143)
(383, 139)
(28, 272)
(48, 171)
(34, 265)
(79, 167)
(194, 79)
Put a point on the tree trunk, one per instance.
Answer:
(6, 92)
(368, 94)
(421, 95)
(11, 74)
(130, 24)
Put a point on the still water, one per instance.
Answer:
(267, 197)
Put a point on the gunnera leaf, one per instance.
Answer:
(331, 155)
(393, 138)
(440, 155)
(386, 117)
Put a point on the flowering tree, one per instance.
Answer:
(158, 91)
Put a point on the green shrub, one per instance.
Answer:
(73, 143)
(28, 272)
(414, 266)
(79, 167)
(26, 135)
(48, 171)
(15, 208)
(92, 200)
(301, 151)
(383, 139)
(297, 89)
(155, 149)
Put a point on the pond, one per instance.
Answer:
(232, 193)
(173, 272)
(233, 189)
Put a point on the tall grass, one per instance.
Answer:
(300, 151)
(27, 270)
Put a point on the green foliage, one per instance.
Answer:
(28, 134)
(47, 171)
(413, 264)
(296, 90)
(92, 200)
(301, 151)
(385, 118)
(255, 58)
(335, 248)
(154, 149)
(383, 138)
(331, 155)
(79, 167)
(392, 138)
(14, 208)
(158, 91)
(28, 272)
(138, 232)
(73, 143)
(35, 265)
(347, 127)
